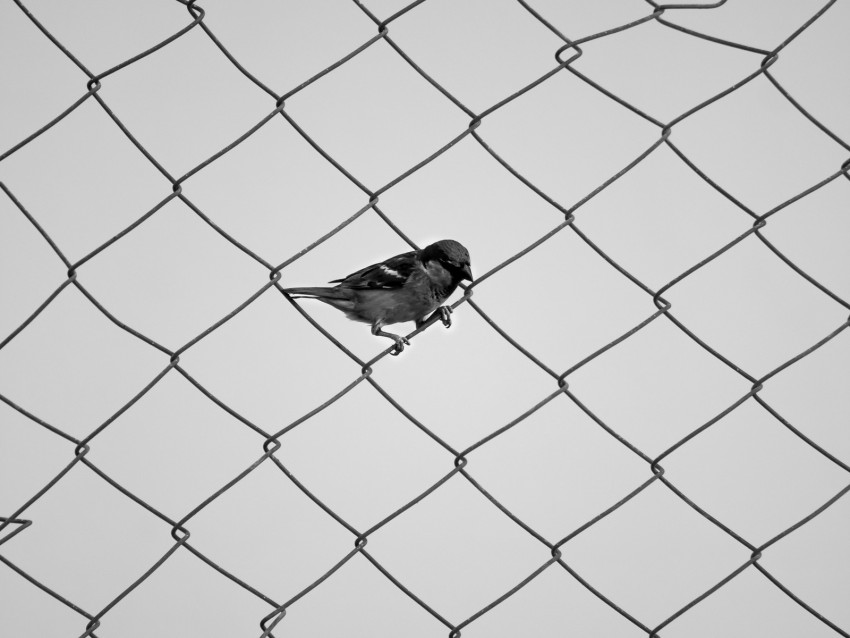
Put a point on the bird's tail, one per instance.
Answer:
(336, 297)
(317, 292)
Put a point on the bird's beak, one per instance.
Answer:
(467, 272)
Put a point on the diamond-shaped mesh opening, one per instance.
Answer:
(667, 387)
(207, 447)
(365, 113)
(323, 32)
(549, 149)
(558, 451)
(196, 275)
(194, 117)
(491, 396)
(255, 191)
(598, 302)
(766, 169)
(654, 533)
(363, 470)
(95, 368)
(186, 593)
(660, 219)
(509, 52)
(439, 563)
(110, 535)
(65, 189)
(629, 67)
(284, 541)
(249, 364)
(459, 193)
(760, 501)
(764, 312)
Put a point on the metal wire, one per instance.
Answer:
(16, 522)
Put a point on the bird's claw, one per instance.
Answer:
(399, 346)
(446, 315)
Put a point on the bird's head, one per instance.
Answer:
(452, 256)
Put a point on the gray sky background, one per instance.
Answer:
(174, 276)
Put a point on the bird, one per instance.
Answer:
(411, 286)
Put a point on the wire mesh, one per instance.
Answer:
(16, 522)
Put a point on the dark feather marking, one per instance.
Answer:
(378, 275)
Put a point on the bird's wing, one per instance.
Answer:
(388, 274)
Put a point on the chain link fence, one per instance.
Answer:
(460, 461)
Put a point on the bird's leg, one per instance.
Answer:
(399, 341)
(444, 313)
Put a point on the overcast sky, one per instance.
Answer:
(765, 462)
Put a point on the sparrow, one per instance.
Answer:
(411, 286)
